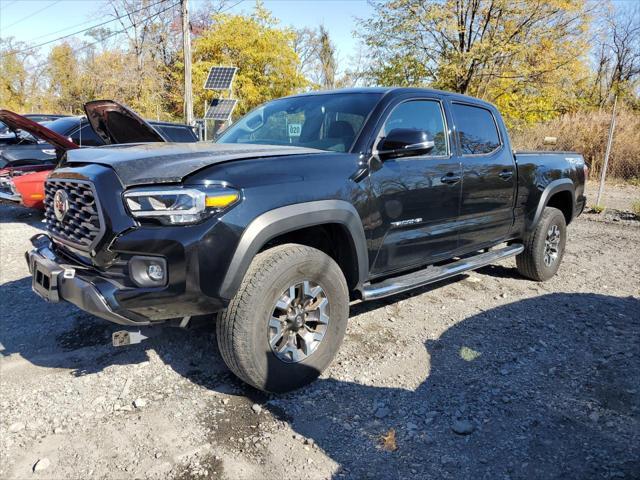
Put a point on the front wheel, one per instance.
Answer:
(544, 247)
(286, 322)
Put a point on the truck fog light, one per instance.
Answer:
(148, 271)
(155, 272)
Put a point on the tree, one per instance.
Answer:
(14, 77)
(521, 54)
(264, 54)
(617, 53)
(318, 57)
(327, 59)
(63, 79)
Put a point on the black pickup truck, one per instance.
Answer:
(303, 205)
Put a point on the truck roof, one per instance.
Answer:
(395, 91)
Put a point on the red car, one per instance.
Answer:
(24, 185)
(8, 176)
(30, 187)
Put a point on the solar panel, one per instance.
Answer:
(220, 109)
(220, 78)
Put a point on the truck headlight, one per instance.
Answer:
(179, 206)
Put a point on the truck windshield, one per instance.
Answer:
(327, 122)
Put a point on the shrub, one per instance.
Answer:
(586, 132)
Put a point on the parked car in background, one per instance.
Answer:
(22, 179)
(304, 204)
(8, 137)
(32, 151)
(28, 189)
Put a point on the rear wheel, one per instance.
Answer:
(287, 320)
(544, 247)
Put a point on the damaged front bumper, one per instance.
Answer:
(55, 279)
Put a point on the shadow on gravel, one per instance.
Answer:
(12, 213)
(547, 387)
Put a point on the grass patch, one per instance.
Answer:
(469, 354)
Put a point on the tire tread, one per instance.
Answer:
(232, 341)
(530, 263)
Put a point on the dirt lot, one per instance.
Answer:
(485, 376)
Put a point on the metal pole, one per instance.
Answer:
(186, 50)
(204, 120)
(603, 174)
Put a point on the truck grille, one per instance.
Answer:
(81, 224)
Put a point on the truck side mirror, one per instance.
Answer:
(405, 142)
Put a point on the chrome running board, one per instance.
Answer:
(433, 274)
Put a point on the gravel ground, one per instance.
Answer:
(484, 376)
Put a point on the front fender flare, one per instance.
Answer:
(287, 219)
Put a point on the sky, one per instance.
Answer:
(37, 21)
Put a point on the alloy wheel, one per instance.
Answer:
(299, 322)
(552, 245)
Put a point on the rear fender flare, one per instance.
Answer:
(286, 219)
(560, 185)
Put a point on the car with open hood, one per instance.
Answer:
(23, 168)
(10, 137)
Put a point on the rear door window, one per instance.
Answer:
(476, 128)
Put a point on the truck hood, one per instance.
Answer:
(145, 164)
(115, 123)
(18, 122)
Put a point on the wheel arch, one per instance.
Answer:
(288, 224)
(559, 194)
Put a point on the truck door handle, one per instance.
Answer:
(450, 178)
(506, 174)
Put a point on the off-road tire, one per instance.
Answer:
(243, 328)
(531, 262)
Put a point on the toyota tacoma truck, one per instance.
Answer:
(303, 205)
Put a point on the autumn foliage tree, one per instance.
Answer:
(14, 78)
(520, 54)
(261, 50)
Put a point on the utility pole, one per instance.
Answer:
(186, 51)
(603, 174)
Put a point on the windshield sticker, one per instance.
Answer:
(295, 129)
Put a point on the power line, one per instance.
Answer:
(10, 3)
(32, 14)
(15, 52)
(89, 21)
(232, 6)
(113, 34)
